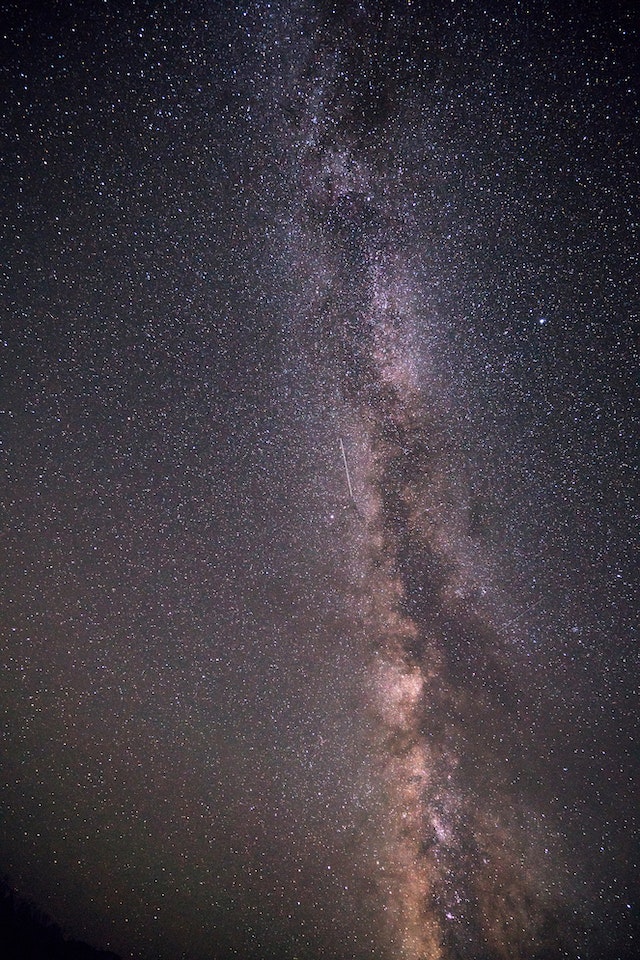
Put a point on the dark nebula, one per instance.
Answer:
(319, 573)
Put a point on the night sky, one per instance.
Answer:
(319, 333)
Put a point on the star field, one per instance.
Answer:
(319, 478)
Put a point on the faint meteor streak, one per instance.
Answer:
(346, 468)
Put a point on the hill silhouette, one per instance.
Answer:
(27, 933)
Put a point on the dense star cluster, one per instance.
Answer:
(319, 532)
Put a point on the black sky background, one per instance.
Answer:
(189, 766)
